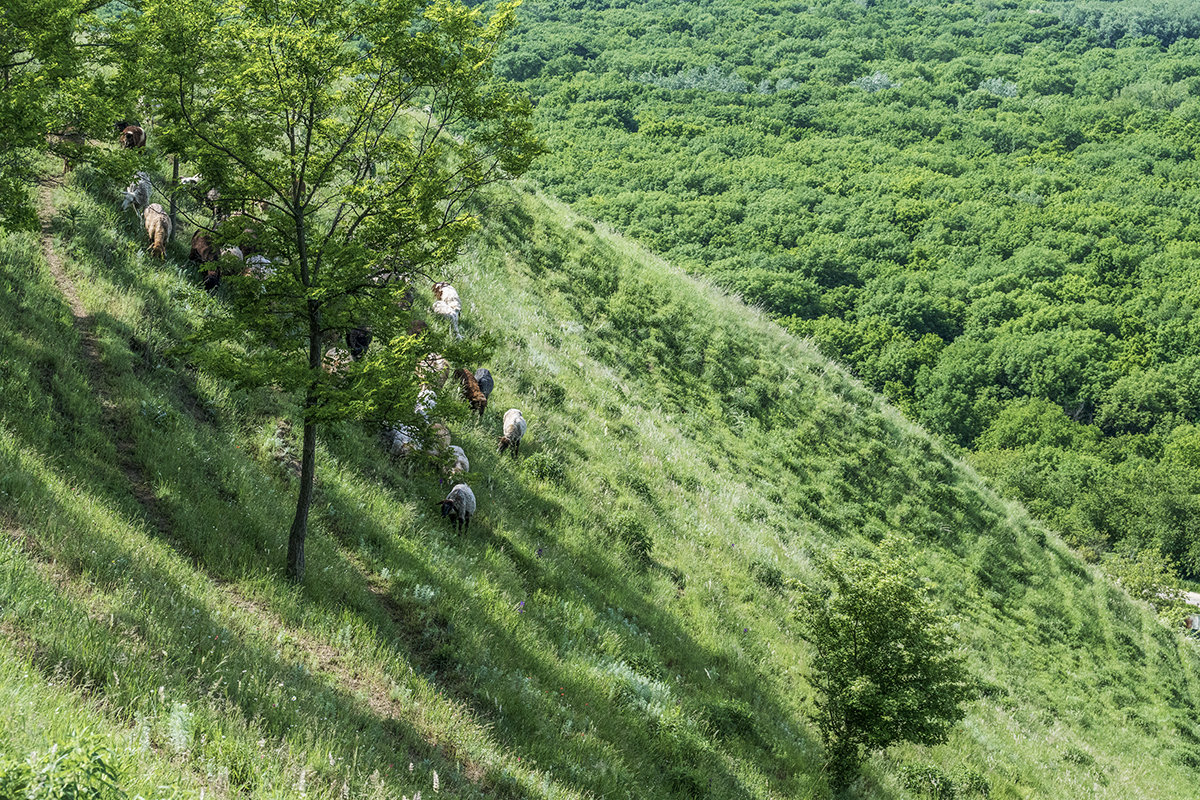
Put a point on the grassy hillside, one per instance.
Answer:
(618, 621)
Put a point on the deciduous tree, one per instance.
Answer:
(884, 661)
(355, 134)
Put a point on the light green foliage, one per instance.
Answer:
(1148, 575)
(886, 665)
(79, 769)
(359, 131)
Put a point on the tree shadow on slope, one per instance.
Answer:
(214, 503)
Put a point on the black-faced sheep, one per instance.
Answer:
(514, 429)
(158, 228)
(459, 505)
(471, 391)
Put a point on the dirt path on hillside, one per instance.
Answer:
(94, 368)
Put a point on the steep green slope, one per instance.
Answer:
(618, 620)
(986, 210)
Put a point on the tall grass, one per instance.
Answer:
(618, 621)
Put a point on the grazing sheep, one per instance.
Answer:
(447, 305)
(443, 309)
(448, 295)
(484, 379)
(357, 342)
(66, 144)
(402, 440)
(459, 505)
(137, 194)
(471, 391)
(461, 464)
(203, 252)
(158, 228)
(132, 137)
(440, 438)
(193, 180)
(212, 199)
(514, 429)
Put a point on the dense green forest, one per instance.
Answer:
(987, 210)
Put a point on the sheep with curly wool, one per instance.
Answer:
(514, 429)
(459, 506)
(158, 228)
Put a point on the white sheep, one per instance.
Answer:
(447, 305)
(444, 310)
(514, 429)
(137, 194)
(400, 441)
(404, 440)
(459, 505)
(461, 464)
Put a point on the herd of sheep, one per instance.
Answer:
(432, 371)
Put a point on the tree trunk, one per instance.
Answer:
(308, 464)
(174, 189)
(308, 457)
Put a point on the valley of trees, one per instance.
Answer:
(986, 209)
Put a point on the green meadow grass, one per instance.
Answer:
(616, 623)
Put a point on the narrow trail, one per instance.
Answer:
(93, 361)
(373, 689)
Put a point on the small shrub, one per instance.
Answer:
(929, 781)
(82, 770)
(769, 575)
(547, 467)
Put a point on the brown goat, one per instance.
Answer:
(471, 391)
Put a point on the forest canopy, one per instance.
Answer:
(986, 209)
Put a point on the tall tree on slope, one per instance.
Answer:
(330, 121)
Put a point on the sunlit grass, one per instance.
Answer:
(618, 620)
